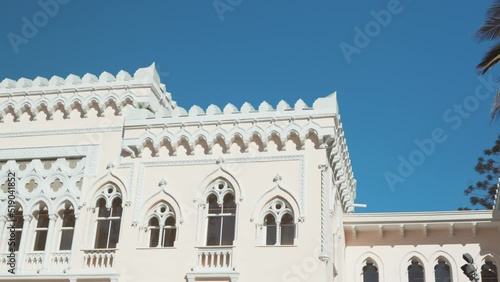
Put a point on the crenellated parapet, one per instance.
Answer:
(340, 163)
(78, 97)
(232, 130)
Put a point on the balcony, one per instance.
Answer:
(4, 260)
(33, 262)
(219, 258)
(214, 263)
(60, 261)
(98, 259)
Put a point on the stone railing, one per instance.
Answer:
(4, 262)
(33, 261)
(99, 258)
(215, 258)
(60, 260)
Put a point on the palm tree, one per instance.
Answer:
(491, 31)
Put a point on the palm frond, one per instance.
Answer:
(490, 59)
(489, 31)
(495, 107)
(491, 27)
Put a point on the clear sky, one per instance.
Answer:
(410, 77)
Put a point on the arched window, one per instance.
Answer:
(41, 229)
(415, 271)
(221, 217)
(370, 272)
(109, 213)
(442, 271)
(279, 225)
(67, 228)
(161, 227)
(489, 271)
(270, 229)
(18, 228)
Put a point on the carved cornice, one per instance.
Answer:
(260, 137)
(142, 91)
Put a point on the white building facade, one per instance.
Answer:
(107, 179)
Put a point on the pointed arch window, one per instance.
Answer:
(67, 228)
(416, 271)
(221, 217)
(279, 224)
(42, 228)
(489, 271)
(109, 213)
(18, 227)
(370, 272)
(442, 271)
(161, 226)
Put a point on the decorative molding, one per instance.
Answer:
(207, 161)
(18, 98)
(90, 152)
(97, 129)
(178, 136)
(323, 256)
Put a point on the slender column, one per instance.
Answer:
(75, 249)
(278, 232)
(160, 235)
(48, 243)
(3, 219)
(323, 256)
(25, 233)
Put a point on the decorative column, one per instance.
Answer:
(48, 243)
(160, 235)
(323, 255)
(25, 233)
(3, 219)
(75, 249)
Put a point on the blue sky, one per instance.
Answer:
(400, 85)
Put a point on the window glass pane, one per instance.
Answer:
(154, 238)
(213, 206)
(66, 240)
(270, 224)
(415, 272)
(442, 272)
(170, 221)
(169, 237)
(370, 273)
(18, 239)
(43, 220)
(117, 207)
(40, 240)
(229, 204)
(102, 234)
(115, 233)
(68, 218)
(228, 224)
(287, 230)
(19, 219)
(488, 272)
(102, 210)
(154, 222)
(213, 231)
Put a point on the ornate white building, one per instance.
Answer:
(107, 179)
